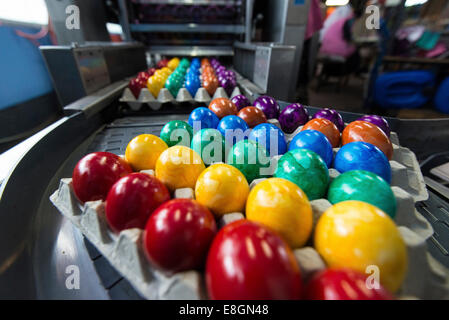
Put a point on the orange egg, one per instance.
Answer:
(327, 128)
(211, 84)
(252, 116)
(367, 132)
(222, 107)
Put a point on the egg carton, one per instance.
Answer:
(426, 278)
(164, 97)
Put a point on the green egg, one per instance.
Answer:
(177, 132)
(210, 145)
(363, 186)
(250, 158)
(307, 170)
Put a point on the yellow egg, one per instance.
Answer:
(143, 151)
(355, 235)
(179, 167)
(155, 84)
(282, 206)
(222, 188)
(173, 63)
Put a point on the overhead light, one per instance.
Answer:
(410, 3)
(332, 3)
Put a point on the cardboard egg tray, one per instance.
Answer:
(426, 278)
(165, 97)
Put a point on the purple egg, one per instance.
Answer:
(292, 117)
(227, 85)
(268, 105)
(241, 101)
(378, 121)
(332, 116)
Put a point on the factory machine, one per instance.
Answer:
(91, 79)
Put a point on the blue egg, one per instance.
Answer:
(271, 137)
(363, 156)
(192, 85)
(233, 128)
(315, 141)
(203, 118)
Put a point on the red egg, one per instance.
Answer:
(162, 63)
(137, 84)
(248, 261)
(143, 75)
(95, 174)
(343, 284)
(178, 235)
(151, 71)
(132, 200)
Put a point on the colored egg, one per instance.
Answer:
(173, 63)
(331, 115)
(222, 107)
(293, 116)
(356, 235)
(202, 118)
(222, 188)
(249, 158)
(136, 85)
(177, 132)
(252, 116)
(192, 85)
(248, 261)
(143, 151)
(363, 156)
(367, 132)
(210, 84)
(343, 284)
(378, 121)
(283, 206)
(179, 167)
(315, 141)
(154, 85)
(233, 129)
(95, 174)
(270, 137)
(240, 101)
(132, 200)
(307, 170)
(327, 128)
(184, 240)
(210, 145)
(363, 186)
(268, 105)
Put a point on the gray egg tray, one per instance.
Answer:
(426, 278)
(165, 97)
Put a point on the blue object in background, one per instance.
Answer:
(403, 89)
(269, 135)
(23, 75)
(235, 127)
(363, 156)
(441, 99)
(205, 118)
(315, 141)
